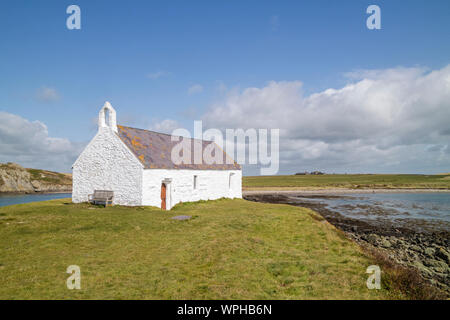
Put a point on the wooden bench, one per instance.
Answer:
(101, 197)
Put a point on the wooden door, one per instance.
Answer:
(163, 196)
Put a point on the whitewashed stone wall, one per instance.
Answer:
(108, 164)
(211, 184)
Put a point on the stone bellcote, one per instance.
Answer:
(107, 117)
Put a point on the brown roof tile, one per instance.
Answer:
(154, 149)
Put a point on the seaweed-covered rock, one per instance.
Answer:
(443, 254)
(429, 252)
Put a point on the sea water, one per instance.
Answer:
(10, 199)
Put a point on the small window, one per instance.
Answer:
(195, 182)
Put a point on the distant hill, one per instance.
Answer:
(15, 178)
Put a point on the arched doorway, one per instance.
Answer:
(163, 196)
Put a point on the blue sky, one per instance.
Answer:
(144, 56)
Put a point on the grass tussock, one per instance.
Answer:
(229, 249)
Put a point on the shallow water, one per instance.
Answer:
(426, 206)
(10, 199)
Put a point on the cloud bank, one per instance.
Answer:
(28, 143)
(393, 120)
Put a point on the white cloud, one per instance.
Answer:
(28, 143)
(196, 88)
(157, 75)
(383, 120)
(47, 94)
(165, 126)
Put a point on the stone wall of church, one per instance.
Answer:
(107, 164)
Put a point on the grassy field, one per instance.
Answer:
(230, 249)
(352, 181)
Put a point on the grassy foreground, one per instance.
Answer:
(230, 249)
(351, 181)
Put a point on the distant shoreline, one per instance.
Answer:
(275, 190)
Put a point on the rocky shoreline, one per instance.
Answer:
(14, 179)
(423, 247)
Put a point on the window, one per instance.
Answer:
(195, 182)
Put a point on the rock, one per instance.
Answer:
(410, 253)
(385, 243)
(424, 270)
(393, 240)
(444, 255)
(429, 252)
(14, 178)
(373, 238)
(415, 248)
(181, 217)
(437, 265)
(36, 184)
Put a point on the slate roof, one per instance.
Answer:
(154, 150)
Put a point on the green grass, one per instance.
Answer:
(230, 249)
(353, 181)
(50, 177)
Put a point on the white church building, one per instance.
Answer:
(136, 165)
